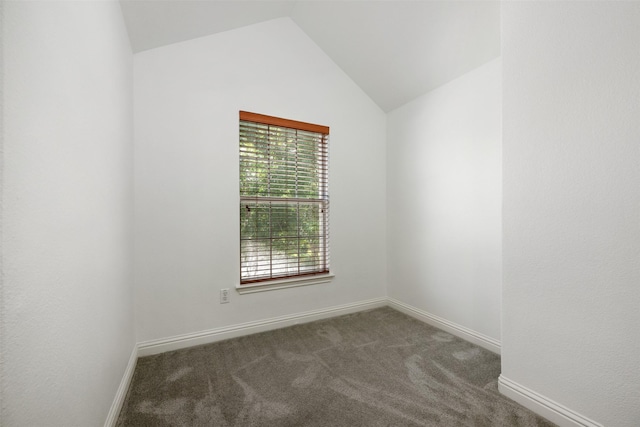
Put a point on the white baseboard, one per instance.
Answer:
(148, 348)
(121, 393)
(543, 406)
(466, 334)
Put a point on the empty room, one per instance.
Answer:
(320, 213)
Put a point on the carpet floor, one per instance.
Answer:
(372, 368)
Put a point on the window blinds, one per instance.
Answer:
(284, 199)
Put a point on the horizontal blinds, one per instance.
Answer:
(284, 199)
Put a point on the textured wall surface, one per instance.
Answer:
(67, 212)
(187, 98)
(571, 149)
(444, 201)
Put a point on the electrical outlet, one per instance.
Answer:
(224, 296)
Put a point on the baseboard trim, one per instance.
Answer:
(148, 348)
(467, 334)
(123, 388)
(553, 411)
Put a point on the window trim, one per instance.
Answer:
(290, 282)
(303, 279)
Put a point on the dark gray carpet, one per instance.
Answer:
(373, 368)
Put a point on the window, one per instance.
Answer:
(284, 199)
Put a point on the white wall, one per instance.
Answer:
(444, 201)
(571, 298)
(187, 98)
(67, 211)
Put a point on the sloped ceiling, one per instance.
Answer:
(394, 50)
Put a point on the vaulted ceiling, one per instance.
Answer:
(394, 50)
